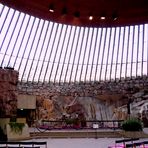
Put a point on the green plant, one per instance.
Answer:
(70, 121)
(16, 127)
(132, 125)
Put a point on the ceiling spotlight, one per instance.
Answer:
(114, 16)
(102, 17)
(51, 8)
(90, 17)
(77, 14)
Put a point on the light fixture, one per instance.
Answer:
(114, 16)
(51, 8)
(102, 18)
(90, 17)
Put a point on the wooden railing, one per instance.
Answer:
(89, 124)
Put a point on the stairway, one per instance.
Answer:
(76, 134)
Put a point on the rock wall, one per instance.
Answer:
(96, 100)
(8, 92)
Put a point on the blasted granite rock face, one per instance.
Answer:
(8, 92)
(105, 100)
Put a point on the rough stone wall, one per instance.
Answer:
(95, 100)
(8, 92)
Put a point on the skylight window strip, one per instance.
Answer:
(147, 45)
(38, 37)
(40, 53)
(119, 54)
(55, 47)
(121, 69)
(76, 73)
(32, 49)
(66, 51)
(66, 54)
(106, 54)
(70, 55)
(20, 46)
(27, 42)
(146, 49)
(13, 28)
(54, 33)
(84, 55)
(34, 41)
(118, 46)
(132, 51)
(75, 51)
(97, 50)
(113, 52)
(89, 55)
(143, 30)
(79, 55)
(24, 67)
(127, 51)
(142, 48)
(103, 48)
(3, 18)
(140, 51)
(73, 57)
(15, 43)
(49, 52)
(99, 46)
(1, 9)
(86, 58)
(8, 28)
(60, 54)
(62, 51)
(113, 74)
(108, 49)
(93, 57)
(49, 31)
(137, 59)
(127, 59)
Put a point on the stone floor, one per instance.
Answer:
(80, 142)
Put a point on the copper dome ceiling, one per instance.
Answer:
(77, 12)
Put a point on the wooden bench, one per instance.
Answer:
(142, 144)
(122, 142)
(27, 144)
